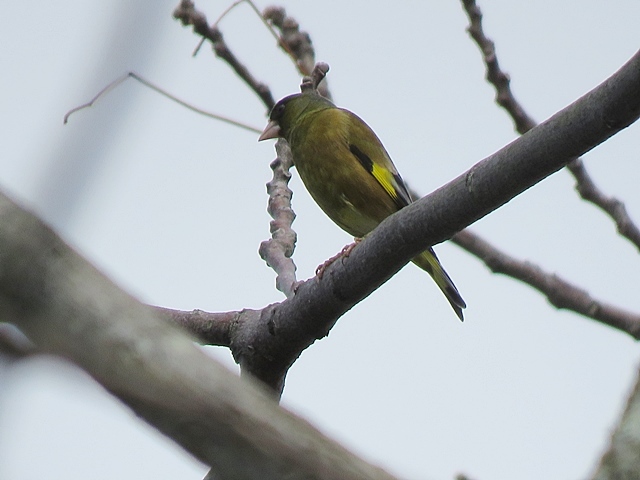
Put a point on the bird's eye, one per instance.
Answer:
(277, 111)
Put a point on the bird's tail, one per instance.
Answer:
(428, 261)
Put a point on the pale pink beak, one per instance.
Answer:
(272, 130)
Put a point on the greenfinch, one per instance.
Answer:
(347, 171)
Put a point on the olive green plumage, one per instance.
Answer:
(347, 171)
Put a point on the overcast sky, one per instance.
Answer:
(172, 206)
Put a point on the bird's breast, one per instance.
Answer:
(343, 189)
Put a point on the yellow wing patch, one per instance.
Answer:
(390, 181)
(385, 178)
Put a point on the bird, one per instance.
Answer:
(348, 172)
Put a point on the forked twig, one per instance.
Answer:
(215, 24)
(585, 185)
(187, 14)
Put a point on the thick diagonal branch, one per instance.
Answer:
(291, 326)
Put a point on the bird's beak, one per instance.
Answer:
(272, 130)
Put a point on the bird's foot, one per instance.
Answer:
(344, 253)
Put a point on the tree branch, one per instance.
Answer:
(589, 191)
(277, 251)
(288, 328)
(68, 308)
(495, 75)
(266, 343)
(295, 43)
(559, 292)
(188, 15)
(209, 328)
(585, 185)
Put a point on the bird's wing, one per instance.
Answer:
(371, 154)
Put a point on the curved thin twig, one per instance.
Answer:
(162, 92)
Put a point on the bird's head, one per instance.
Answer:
(289, 111)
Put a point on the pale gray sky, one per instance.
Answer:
(172, 206)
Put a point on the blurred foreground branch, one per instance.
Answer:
(68, 308)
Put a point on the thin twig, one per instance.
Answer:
(559, 292)
(495, 76)
(187, 14)
(585, 185)
(102, 92)
(614, 207)
(162, 92)
(215, 24)
(263, 19)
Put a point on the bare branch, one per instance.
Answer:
(313, 81)
(68, 308)
(102, 92)
(296, 43)
(209, 328)
(278, 250)
(495, 76)
(292, 40)
(267, 346)
(585, 186)
(269, 27)
(559, 292)
(297, 322)
(188, 15)
(589, 191)
(215, 25)
(163, 92)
